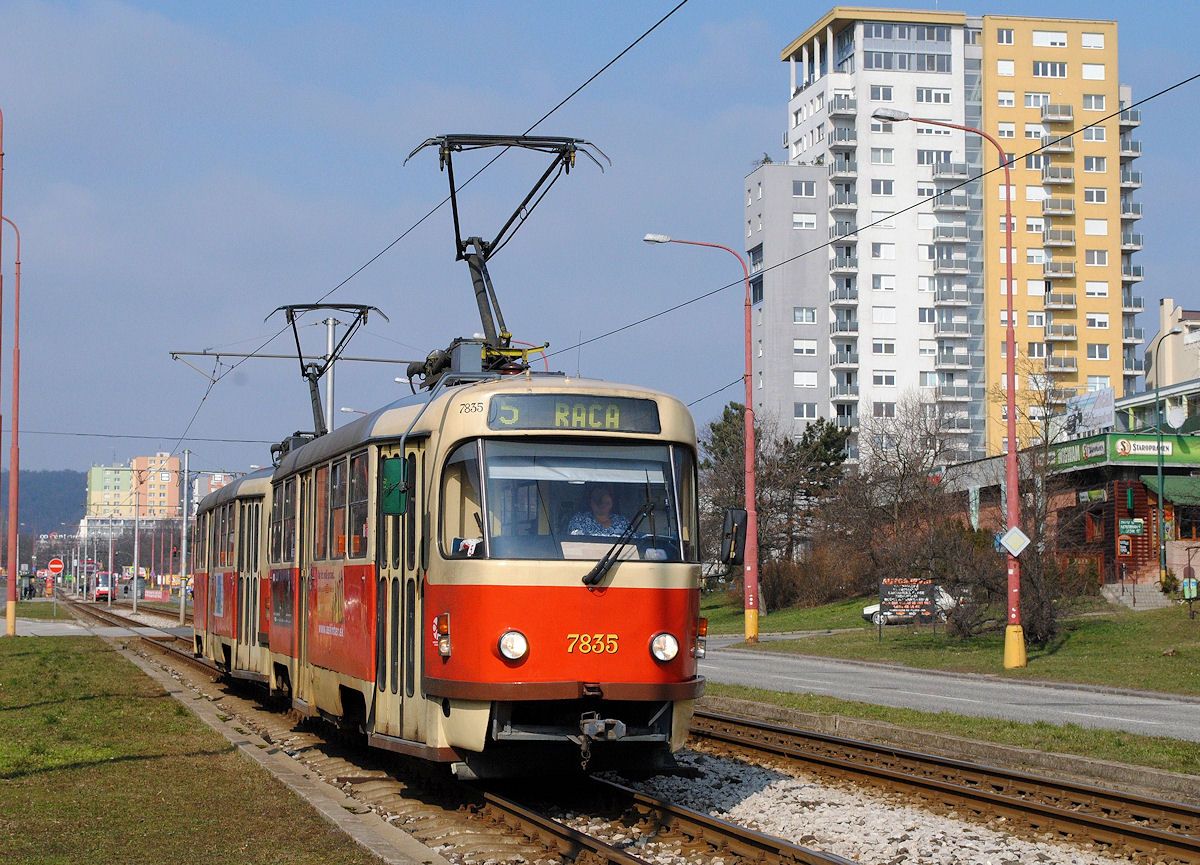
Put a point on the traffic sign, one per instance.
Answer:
(56, 566)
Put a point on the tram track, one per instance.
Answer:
(1125, 824)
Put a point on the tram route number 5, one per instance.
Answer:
(592, 644)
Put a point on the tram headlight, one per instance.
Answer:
(664, 647)
(513, 645)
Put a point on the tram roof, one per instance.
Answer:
(255, 484)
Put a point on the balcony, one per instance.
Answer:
(1131, 304)
(1060, 395)
(843, 231)
(1058, 207)
(953, 360)
(1130, 179)
(1063, 174)
(951, 202)
(955, 425)
(1059, 332)
(843, 360)
(842, 106)
(1057, 144)
(1129, 149)
(843, 201)
(845, 421)
(1058, 237)
(844, 327)
(951, 171)
(952, 393)
(844, 264)
(844, 295)
(1058, 114)
(1130, 242)
(843, 169)
(844, 393)
(1131, 209)
(1131, 117)
(1061, 363)
(952, 295)
(1133, 366)
(842, 138)
(1132, 273)
(952, 328)
(1133, 335)
(1058, 270)
(1059, 300)
(951, 234)
(947, 266)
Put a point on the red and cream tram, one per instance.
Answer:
(433, 574)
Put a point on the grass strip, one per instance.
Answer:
(99, 764)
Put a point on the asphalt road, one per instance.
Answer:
(1141, 712)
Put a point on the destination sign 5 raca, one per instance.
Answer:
(572, 412)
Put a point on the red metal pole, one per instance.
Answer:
(10, 614)
(14, 451)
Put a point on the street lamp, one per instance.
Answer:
(1014, 634)
(1162, 536)
(751, 557)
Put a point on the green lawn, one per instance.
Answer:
(99, 764)
(725, 617)
(42, 610)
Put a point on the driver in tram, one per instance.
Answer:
(599, 519)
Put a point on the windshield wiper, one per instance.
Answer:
(602, 567)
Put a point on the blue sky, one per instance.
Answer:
(179, 170)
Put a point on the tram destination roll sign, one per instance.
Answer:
(563, 411)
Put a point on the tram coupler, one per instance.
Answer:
(596, 728)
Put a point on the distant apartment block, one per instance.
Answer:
(878, 248)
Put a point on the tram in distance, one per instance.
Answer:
(429, 575)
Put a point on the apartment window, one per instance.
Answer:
(1035, 193)
(1035, 256)
(1035, 224)
(1097, 382)
(883, 219)
(926, 314)
(1095, 195)
(804, 410)
(923, 129)
(1095, 289)
(1049, 69)
(932, 157)
(1034, 130)
(879, 186)
(1035, 319)
(1036, 350)
(927, 348)
(1094, 133)
(1006, 130)
(1006, 68)
(1097, 320)
(804, 220)
(804, 378)
(883, 409)
(884, 378)
(933, 96)
(1035, 161)
(1036, 99)
(1035, 287)
(1097, 351)
(804, 314)
(1093, 72)
(804, 346)
(881, 93)
(928, 379)
(1095, 164)
(925, 252)
(1049, 39)
(804, 188)
(971, 36)
(1010, 189)
(1096, 257)
(1091, 40)
(883, 346)
(883, 314)
(925, 191)
(925, 284)
(883, 282)
(883, 251)
(882, 156)
(881, 126)
(1093, 102)
(1096, 227)
(1004, 37)
(1006, 98)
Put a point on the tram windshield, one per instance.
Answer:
(569, 500)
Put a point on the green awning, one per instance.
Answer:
(1179, 490)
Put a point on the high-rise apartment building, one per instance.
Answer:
(148, 485)
(878, 248)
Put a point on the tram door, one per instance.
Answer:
(398, 543)
(302, 546)
(247, 581)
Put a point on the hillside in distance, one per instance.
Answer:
(47, 499)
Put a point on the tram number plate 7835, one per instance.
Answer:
(592, 644)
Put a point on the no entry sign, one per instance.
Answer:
(56, 566)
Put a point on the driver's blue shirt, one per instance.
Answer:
(585, 524)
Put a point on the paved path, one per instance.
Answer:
(1142, 712)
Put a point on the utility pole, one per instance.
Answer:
(183, 539)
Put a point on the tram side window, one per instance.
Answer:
(321, 512)
(462, 529)
(276, 534)
(337, 509)
(199, 547)
(685, 474)
(289, 520)
(357, 506)
(230, 537)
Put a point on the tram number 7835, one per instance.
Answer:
(592, 644)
